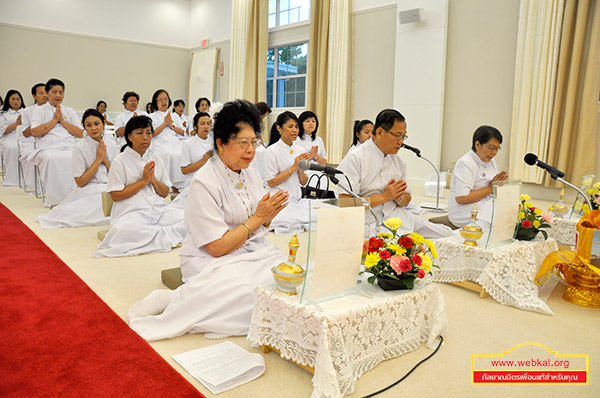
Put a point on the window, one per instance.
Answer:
(286, 76)
(285, 12)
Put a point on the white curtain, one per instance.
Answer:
(538, 43)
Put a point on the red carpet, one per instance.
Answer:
(59, 339)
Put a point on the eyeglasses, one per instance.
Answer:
(245, 142)
(492, 148)
(162, 100)
(398, 136)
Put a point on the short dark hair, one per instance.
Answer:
(136, 122)
(35, 87)
(10, 93)
(54, 82)
(130, 94)
(264, 108)
(155, 96)
(358, 126)
(101, 102)
(386, 119)
(485, 133)
(231, 115)
(178, 102)
(200, 101)
(149, 104)
(197, 117)
(91, 112)
(281, 120)
(303, 116)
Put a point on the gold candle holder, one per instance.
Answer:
(288, 275)
(472, 232)
(559, 209)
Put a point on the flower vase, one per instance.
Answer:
(522, 235)
(392, 284)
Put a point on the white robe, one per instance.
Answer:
(471, 173)
(83, 206)
(27, 145)
(217, 299)
(294, 218)
(167, 146)
(192, 150)
(142, 223)
(53, 153)
(9, 147)
(368, 169)
(121, 121)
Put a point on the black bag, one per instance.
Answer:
(315, 192)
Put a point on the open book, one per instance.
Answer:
(222, 366)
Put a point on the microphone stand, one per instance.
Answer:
(336, 181)
(577, 189)
(437, 185)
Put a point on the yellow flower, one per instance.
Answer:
(521, 215)
(397, 248)
(538, 211)
(592, 191)
(586, 208)
(418, 239)
(550, 208)
(597, 185)
(393, 223)
(527, 204)
(536, 224)
(426, 264)
(429, 244)
(372, 259)
(525, 197)
(385, 235)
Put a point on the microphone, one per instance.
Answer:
(306, 165)
(532, 160)
(413, 149)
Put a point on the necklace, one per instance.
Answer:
(238, 187)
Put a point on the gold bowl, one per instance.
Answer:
(584, 285)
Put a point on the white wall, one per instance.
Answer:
(209, 19)
(164, 22)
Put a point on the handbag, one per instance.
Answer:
(315, 192)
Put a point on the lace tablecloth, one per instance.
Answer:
(353, 333)
(505, 272)
(563, 231)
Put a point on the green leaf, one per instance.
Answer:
(372, 279)
(409, 283)
(545, 234)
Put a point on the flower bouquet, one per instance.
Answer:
(594, 196)
(531, 220)
(396, 261)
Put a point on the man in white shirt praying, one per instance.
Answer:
(377, 172)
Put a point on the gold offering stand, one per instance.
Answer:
(472, 233)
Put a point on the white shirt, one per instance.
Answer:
(369, 170)
(179, 120)
(26, 123)
(84, 154)
(192, 150)
(470, 173)
(280, 157)
(9, 117)
(124, 117)
(128, 168)
(307, 143)
(106, 117)
(58, 134)
(168, 134)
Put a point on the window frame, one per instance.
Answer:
(276, 77)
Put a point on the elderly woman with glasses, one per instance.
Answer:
(225, 254)
(473, 178)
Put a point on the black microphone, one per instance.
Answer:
(417, 151)
(306, 165)
(532, 160)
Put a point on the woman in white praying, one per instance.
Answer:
(198, 149)
(101, 107)
(225, 254)
(131, 100)
(167, 132)
(10, 119)
(91, 162)
(180, 118)
(141, 222)
(202, 105)
(281, 161)
(308, 125)
(363, 130)
(55, 128)
(27, 141)
(473, 178)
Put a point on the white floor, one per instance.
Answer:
(476, 326)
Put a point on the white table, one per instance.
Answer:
(506, 272)
(564, 230)
(353, 333)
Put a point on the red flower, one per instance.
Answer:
(384, 254)
(526, 224)
(375, 244)
(421, 274)
(417, 259)
(405, 264)
(406, 241)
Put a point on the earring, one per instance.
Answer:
(220, 149)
